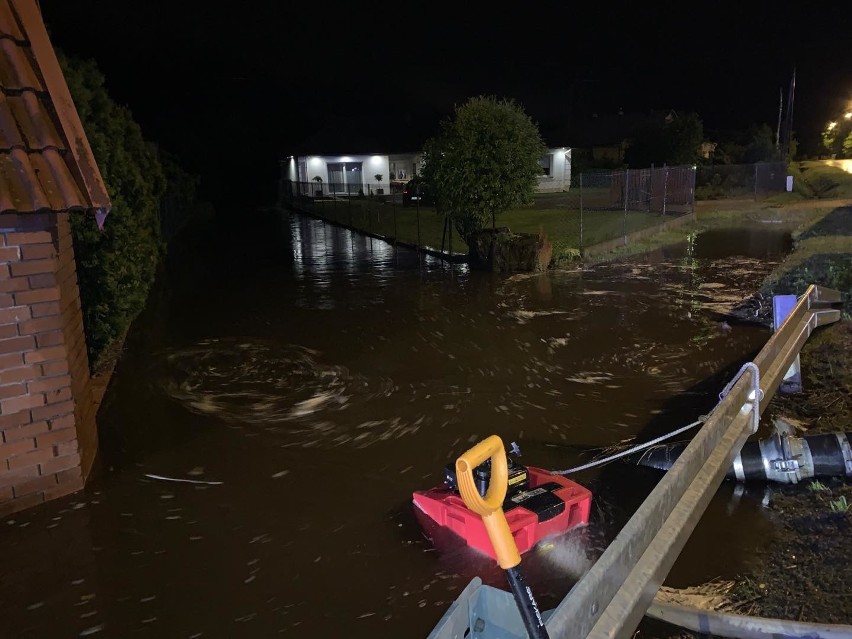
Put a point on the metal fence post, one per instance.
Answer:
(419, 243)
(692, 190)
(755, 180)
(626, 195)
(651, 189)
(581, 211)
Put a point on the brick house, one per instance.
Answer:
(47, 172)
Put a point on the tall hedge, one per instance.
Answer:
(115, 267)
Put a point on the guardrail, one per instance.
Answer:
(610, 600)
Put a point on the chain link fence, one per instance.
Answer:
(606, 207)
(756, 181)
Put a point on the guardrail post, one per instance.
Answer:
(782, 305)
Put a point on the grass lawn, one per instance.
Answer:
(553, 213)
(824, 180)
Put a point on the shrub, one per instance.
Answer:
(115, 267)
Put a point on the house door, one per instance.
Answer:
(344, 177)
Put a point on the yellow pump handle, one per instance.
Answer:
(490, 507)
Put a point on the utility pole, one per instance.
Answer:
(788, 128)
(778, 127)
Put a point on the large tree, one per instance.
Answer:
(484, 161)
(675, 139)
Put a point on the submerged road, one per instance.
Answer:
(302, 382)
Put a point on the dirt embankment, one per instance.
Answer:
(806, 573)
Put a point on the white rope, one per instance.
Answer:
(629, 451)
(755, 397)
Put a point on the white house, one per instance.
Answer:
(351, 174)
(555, 170)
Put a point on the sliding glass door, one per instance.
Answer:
(345, 177)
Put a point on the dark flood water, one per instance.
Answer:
(318, 378)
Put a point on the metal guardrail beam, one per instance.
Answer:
(610, 600)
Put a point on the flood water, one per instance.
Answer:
(317, 378)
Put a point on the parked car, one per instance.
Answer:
(415, 191)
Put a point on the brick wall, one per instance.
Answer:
(47, 417)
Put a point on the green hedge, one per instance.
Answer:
(116, 267)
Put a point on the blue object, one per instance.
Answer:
(782, 305)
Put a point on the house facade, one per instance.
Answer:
(333, 175)
(48, 433)
(345, 175)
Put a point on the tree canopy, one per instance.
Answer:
(674, 140)
(484, 161)
(837, 138)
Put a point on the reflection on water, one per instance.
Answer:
(322, 377)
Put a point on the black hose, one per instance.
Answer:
(526, 604)
(751, 458)
(780, 458)
(827, 454)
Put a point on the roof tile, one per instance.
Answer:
(9, 26)
(17, 72)
(34, 182)
(39, 168)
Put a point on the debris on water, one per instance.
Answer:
(91, 631)
(310, 405)
(279, 474)
(178, 479)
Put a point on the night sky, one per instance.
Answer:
(231, 88)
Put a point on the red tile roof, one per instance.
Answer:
(45, 159)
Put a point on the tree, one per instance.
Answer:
(675, 139)
(835, 137)
(484, 161)
(761, 145)
(847, 146)
(115, 267)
